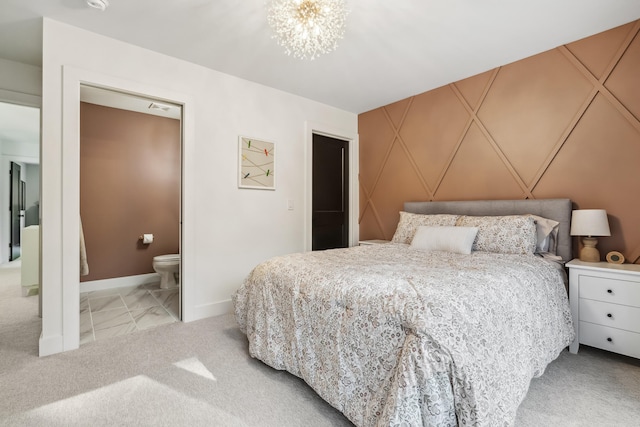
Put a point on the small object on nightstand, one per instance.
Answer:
(615, 257)
(372, 242)
(589, 223)
(605, 306)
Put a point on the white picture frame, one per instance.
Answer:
(256, 163)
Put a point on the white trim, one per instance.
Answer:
(70, 208)
(20, 98)
(354, 193)
(27, 160)
(50, 345)
(61, 311)
(213, 309)
(119, 282)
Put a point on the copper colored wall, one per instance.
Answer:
(129, 185)
(564, 123)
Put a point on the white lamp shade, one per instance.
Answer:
(590, 222)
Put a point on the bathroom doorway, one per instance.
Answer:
(130, 213)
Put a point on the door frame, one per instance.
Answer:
(352, 141)
(61, 237)
(12, 213)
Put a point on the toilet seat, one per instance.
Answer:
(167, 258)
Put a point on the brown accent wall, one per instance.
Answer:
(564, 123)
(129, 185)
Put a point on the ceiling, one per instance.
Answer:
(391, 49)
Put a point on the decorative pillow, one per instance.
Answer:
(458, 240)
(547, 234)
(511, 234)
(409, 223)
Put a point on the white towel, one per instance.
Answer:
(84, 266)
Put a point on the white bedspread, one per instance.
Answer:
(394, 336)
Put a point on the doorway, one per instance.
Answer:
(59, 265)
(19, 175)
(330, 193)
(130, 204)
(19, 219)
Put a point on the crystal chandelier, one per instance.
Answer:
(307, 28)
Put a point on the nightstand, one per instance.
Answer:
(372, 242)
(605, 306)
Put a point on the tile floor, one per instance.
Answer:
(120, 311)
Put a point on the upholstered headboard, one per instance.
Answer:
(556, 209)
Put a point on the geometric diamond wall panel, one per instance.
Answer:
(596, 52)
(431, 130)
(474, 171)
(563, 123)
(374, 129)
(397, 184)
(397, 111)
(627, 71)
(472, 88)
(598, 166)
(543, 89)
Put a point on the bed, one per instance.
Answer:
(408, 334)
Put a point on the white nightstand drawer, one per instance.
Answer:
(616, 340)
(613, 315)
(610, 290)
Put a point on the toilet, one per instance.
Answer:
(168, 267)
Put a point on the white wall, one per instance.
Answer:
(226, 231)
(20, 79)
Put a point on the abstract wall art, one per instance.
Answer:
(257, 164)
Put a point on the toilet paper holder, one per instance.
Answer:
(146, 238)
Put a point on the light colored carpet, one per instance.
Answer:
(200, 374)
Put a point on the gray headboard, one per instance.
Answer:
(556, 209)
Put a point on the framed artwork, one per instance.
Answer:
(257, 167)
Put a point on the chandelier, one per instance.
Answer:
(307, 28)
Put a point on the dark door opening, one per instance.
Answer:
(330, 193)
(16, 207)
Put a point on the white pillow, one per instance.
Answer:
(547, 234)
(458, 240)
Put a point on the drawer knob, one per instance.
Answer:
(610, 339)
(609, 315)
(610, 291)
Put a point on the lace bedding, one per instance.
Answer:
(391, 335)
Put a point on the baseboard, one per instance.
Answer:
(50, 345)
(208, 310)
(119, 282)
(30, 290)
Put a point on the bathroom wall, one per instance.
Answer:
(563, 123)
(129, 185)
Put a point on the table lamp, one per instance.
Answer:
(589, 223)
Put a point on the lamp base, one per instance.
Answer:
(589, 253)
